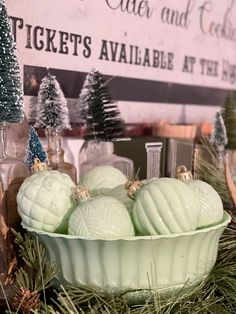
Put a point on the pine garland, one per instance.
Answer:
(216, 294)
(33, 277)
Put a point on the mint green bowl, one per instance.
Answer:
(161, 262)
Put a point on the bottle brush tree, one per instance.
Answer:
(34, 148)
(219, 136)
(100, 114)
(53, 110)
(11, 91)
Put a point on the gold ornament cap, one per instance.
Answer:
(132, 187)
(39, 166)
(80, 193)
(183, 174)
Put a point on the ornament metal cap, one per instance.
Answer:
(38, 166)
(183, 174)
(132, 187)
(80, 193)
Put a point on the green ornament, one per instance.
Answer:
(101, 179)
(119, 192)
(45, 201)
(164, 206)
(100, 217)
(212, 210)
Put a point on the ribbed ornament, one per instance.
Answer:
(165, 206)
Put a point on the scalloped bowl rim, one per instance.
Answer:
(224, 222)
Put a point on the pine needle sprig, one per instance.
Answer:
(205, 141)
(65, 303)
(27, 248)
(34, 256)
(207, 169)
(212, 175)
(83, 294)
(193, 302)
(48, 309)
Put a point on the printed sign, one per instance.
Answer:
(165, 45)
(186, 41)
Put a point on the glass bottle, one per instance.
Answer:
(12, 174)
(56, 153)
(95, 153)
(153, 151)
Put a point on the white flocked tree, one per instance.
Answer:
(219, 137)
(53, 109)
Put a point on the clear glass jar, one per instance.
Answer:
(95, 153)
(56, 153)
(12, 174)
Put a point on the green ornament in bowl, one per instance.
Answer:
(211, 205)
(163, 206)
(101, 179)
(100, 216)
(45, 200)
(119, 192)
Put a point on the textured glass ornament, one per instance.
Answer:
(101, 179)
(55, 152)
(119, 192)
(44, 199)
(211, 205)
(164, 206)
(99, 217)
(96, 153)
(12, 174)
